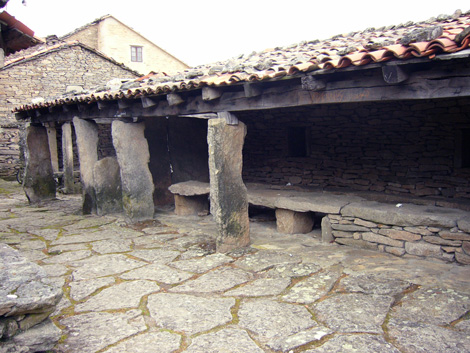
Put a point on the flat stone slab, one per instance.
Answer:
(147, 342)
(190, 188)
(120, 296)
(261, 287)
(312, 288)
(159, 273)
(202, 264)
(161, 256)
(354, 312)
(297, 340)
(110, 246)
(355, 343)
(68, 256)
(233, 340)
(82, 289)
(23, 285)
(91, 332)
(103, 265)
(263, 260)
(435, 306)
(270, 319)
(424, 338)
(408, 215)
(372, 284)
(189, 314)
(215, 281)
(293, 270)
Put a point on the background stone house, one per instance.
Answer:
(120, 42)
(46, 71)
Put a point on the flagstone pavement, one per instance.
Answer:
(159, 286)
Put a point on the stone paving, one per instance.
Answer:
(158, 286)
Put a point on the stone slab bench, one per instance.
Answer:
(26, 301)
(293, 208)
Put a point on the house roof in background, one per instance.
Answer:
(16, 35)
(425, 40)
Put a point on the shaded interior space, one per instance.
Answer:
(399, 151)
(178, 153)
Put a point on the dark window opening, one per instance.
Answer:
(297, 141)
(465, 148)
(136, 54)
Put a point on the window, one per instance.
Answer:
(297, 140)
(136, 54)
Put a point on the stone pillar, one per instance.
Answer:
(39, 184)
(229, 200)
(133, 155)
(108, 191)
(87, 143)
(291, 222)
(52, 138)
(67, 158)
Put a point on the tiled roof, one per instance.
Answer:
(445, 34)
(50, 47)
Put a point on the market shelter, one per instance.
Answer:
(381, 116)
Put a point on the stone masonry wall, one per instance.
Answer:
(9, 151)
(47, 76)
(405, 148)
(447, 244)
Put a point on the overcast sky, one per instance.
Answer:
(205, 31)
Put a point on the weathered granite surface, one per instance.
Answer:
(131, 288)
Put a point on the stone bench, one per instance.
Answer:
(26, 301)
(293, 208)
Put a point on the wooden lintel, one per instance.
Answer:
(81, 108)
(310, 83)
(103, 120)
(230, 118)
(148, 102)
(124, 103)
(200, 116)
(252, 90)
(394, 74)
(102, 105)
(211, 93)
(122, 113)
(174, 99)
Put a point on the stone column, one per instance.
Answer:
(39, 184)
(87, 143)
(229, 200)
(52, 138)
(133, 156)
(67, 158)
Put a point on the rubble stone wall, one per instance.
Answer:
(47, 76)
(405, 148)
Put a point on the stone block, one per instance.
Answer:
(464, 224)
(400, 234)
(376, 238)
(326, 230)
(340, 234)
(191, 205)
(454, 235)
(440, 241)
(462, 258)
(423, 249)
(466, 247)
(395, 251)
(107, 183)
(367, 224)
(356, 243)
(291, 222)
(349, 228)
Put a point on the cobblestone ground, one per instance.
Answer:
(159, 287)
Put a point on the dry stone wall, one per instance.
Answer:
(9, 150)
(403, 148)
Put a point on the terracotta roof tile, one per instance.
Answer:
(447, 34)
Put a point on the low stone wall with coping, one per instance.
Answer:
(429, 234)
